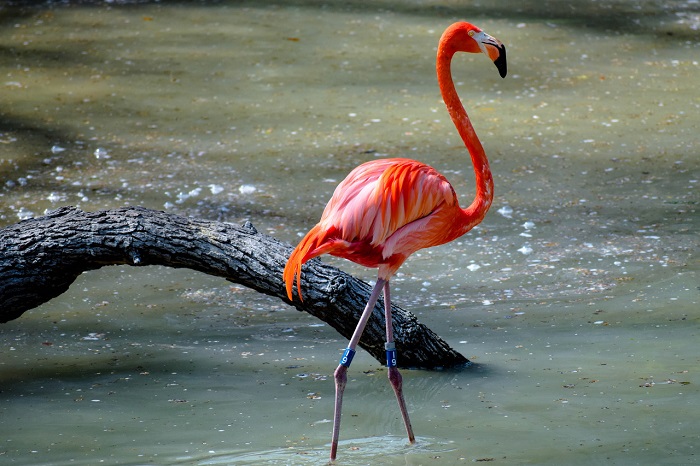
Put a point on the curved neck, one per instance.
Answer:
(484, 181)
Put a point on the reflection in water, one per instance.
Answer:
(577, 297)
(362, 451)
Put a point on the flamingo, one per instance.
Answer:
(387, 209)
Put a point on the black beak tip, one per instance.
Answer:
(501, 63)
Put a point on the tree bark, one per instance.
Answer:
(41, 257)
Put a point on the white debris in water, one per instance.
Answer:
(182, 197)
(247, 189)
(215, 188)
(23, 213)
(525, 250)
(529, 225)
(54, 197)
(506, 211)
(101, 153)
(487, 302)
(473, 267)
(57, 149)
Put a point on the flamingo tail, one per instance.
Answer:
(315, 243)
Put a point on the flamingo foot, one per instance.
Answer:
(397, 384)
(341, 379)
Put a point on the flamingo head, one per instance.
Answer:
(465, 37)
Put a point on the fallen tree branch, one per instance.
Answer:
(41, 257)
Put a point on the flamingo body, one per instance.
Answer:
(380, 214)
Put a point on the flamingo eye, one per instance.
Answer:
(471, 33)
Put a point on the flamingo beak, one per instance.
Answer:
(495, 50)
(500, 60)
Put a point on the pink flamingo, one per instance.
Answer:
(387, 209)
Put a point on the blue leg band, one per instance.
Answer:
(391, 358)
(346, 359)
(390, 354)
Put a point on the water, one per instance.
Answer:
(577, 297)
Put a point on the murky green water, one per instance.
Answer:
(578, 296)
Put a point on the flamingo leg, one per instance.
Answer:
(340, 373)
(394, 376)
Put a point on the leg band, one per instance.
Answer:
(346, 359)
(390, 354)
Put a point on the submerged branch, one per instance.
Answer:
(41, 257)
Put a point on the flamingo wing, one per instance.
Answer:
(379, 198)
(383, 208)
